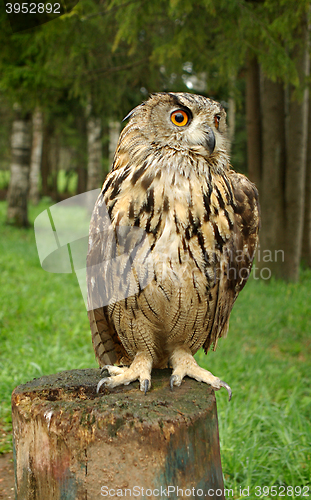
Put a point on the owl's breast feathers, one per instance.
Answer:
(202, 231)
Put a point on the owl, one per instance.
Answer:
(171, 243)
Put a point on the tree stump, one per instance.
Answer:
(72, 444)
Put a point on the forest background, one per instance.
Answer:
(66, 85)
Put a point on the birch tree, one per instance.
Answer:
(36, 155)
(94, 148)
(19, 171)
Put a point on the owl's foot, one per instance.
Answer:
(183, 363)
(139, 369)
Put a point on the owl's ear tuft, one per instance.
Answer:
(130, 114)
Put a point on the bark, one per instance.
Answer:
(36, 156)
(94, 147)
(296, 153)
(272, 233)
(114, 132)
(253, 122)
(20, 165)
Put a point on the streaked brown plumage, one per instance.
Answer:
(171, 177)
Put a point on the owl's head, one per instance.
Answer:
(183, 122)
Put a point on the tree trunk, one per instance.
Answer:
(81, 155)
(253, 122)
(50, 162)
(72, 443)
(20, 166)
(45, 164)
(94, 147)
(82, 179)
(114, 132)
(296, 154)
(272, 183)
(306, 241)
(54, 153)
(36, 155)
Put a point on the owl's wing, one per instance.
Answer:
(235, 260)
(107, 345)
(243, 246)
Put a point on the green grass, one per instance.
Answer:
(265, 431)
(43, 321)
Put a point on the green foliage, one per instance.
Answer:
(216, 36)
(73, 57)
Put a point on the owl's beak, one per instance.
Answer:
(209, 139)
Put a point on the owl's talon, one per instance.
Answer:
(145, 386)
(227, 387)
(101, 382)
(174, 380)
(104, 370)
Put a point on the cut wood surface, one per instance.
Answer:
(71, 443)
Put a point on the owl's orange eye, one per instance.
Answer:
(217, 120)
(179, 118)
